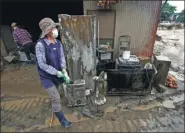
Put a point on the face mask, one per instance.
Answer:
(55, 33)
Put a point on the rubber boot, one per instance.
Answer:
(63, 120)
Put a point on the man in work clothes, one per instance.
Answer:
(52, 65)
(23, 38)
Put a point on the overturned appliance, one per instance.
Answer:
(76, 93)
(94, 99)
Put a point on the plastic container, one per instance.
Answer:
(126, 55)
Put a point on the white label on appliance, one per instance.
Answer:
(106, 56)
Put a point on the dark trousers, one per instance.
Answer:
(28, 49)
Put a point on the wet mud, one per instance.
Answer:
(25, 106)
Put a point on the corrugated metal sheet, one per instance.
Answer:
(79, 43)
(106, 23)
(137, 19)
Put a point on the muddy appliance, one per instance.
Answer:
(162, 64)
(76, 93)
(104, 53)
(135, 81)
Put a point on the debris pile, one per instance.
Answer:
(170, 43)
(171, 82)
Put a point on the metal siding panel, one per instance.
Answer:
(79, 44)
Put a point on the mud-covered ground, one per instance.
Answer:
(25, 107)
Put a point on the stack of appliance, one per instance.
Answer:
(128, 77)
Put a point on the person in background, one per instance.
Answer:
(24, 40)
(52, 66)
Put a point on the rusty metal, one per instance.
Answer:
(148, 50)
(78, 36)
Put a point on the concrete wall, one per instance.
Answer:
(137, 19)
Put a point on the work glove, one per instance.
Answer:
(68, 81)
(66, 77)
(60, 74)
(64, 71)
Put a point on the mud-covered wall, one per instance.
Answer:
(77, 35)
(137, 19)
